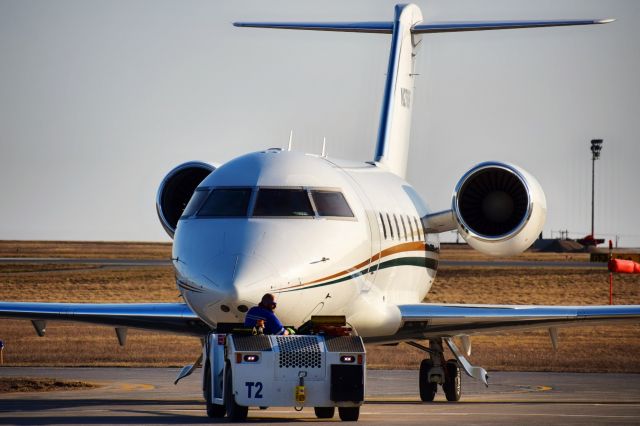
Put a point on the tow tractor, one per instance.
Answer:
(323, 366)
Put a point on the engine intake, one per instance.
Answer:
(500, 209)
(176, 190)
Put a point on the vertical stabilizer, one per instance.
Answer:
(392, 148)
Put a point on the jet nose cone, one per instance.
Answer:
(240, 279)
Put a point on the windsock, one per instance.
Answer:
(624, 266)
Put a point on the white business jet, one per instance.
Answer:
(337, 237)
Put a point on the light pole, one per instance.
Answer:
(596, 147)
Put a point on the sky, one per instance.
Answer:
(100, 99)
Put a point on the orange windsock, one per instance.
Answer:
(624, 266)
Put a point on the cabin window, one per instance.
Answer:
(413, 235)
(331, 203)
(195, 202)
(227, 202)
(283, 202)
(419, 229)
(395, 219)
(404, 228)
(384, 228)
(390, 227)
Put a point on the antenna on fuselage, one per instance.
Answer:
(290, 140)
(324, 147)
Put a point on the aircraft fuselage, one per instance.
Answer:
(361, 263)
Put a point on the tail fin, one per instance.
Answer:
(392, 148)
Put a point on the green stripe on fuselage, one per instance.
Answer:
(422, 262)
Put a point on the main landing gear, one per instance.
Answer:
(436, 371)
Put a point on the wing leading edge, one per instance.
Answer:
(166, 317)
(425, 321)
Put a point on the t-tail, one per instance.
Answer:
(406, 31)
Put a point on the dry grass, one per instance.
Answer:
(85, 249)
(609, 348)
(465, 252)
(86, 284)
(27, 384)
(534, 286)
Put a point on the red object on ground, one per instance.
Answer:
(622, 266)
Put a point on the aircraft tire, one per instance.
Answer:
(453, 381)
(349, 414)
(325, 412)
(427, 390)
(236, 413)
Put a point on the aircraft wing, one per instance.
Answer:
(424, 320)
(169, 317)
(419, 321)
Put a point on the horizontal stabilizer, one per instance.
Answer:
(406, 29)
(386, 27)
(353, 27)
(448, 27)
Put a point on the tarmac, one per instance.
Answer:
(148, 396)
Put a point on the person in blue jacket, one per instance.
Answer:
(264, 312)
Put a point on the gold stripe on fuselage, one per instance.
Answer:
(400, 248)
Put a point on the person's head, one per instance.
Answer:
(268, 301)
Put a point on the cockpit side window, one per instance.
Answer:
(195, 202)
(331, 203)
(283, 202)
(227, 202)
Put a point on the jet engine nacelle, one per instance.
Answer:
(176, 190)
(499, 208)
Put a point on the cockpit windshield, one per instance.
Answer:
(282, 202)
(232, 202)
(331, 203)
(195, 202)
(227, 202)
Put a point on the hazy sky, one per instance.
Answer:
(99, 100)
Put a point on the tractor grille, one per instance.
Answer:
(344, 344)
(252, 343)
(299, 352)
